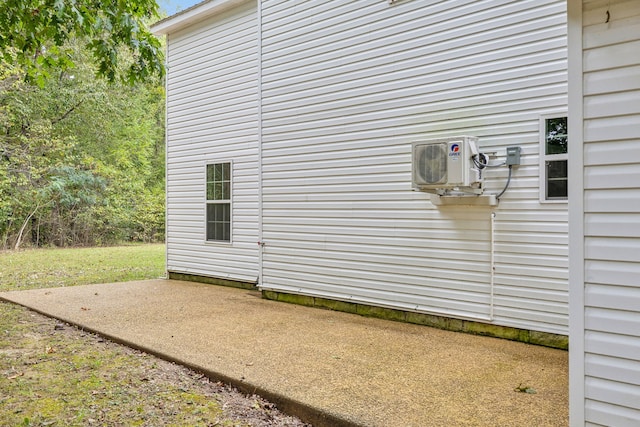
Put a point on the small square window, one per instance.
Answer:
(554, 175)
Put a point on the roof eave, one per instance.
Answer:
(195, 13)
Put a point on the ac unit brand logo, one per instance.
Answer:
(454, 150)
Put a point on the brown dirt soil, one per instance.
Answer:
(53, 374)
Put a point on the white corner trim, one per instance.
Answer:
(576, 217)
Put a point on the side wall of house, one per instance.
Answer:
(611, 85)
(346, 88)
(212, 93)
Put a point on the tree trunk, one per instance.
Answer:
(24, 225)
(34, 231)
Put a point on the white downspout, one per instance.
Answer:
(259, 94)
(166, 156)
(492, 267)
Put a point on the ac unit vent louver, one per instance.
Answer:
(431, 165)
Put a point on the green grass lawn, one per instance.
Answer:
(46, 268)
(53, 374)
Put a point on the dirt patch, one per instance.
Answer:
(53, 374)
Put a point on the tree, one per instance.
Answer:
(81, 161)
(34, 33)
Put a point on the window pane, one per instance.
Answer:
(557, 189)
(226, 171)
(211, 222)
(557, 179)
(225, 232)
(225, 216)
(556, 135)
(557, 169)
(218, 226)
(218, 181)
(217, 189)
(226, 194)
(219, 221)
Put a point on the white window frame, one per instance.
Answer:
(544, 157)
(228, 201)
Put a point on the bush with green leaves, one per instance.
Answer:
(81, 159)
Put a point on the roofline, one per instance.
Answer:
(195, 13)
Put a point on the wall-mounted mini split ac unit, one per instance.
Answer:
(447, 164)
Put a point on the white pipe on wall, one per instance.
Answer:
(492, 266)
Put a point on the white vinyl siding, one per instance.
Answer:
(212, 104)
(346, 88)
(611, 212)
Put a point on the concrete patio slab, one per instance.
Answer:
(329, 368)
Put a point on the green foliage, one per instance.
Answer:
(36, 33)
(72, 189)
(556, 135)
(81, 161)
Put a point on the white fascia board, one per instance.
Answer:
(193, 14)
